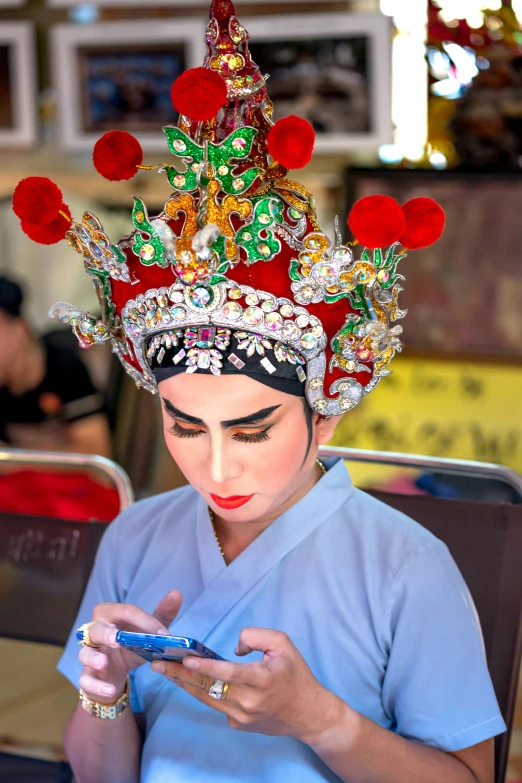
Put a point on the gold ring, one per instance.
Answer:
(225, 690)
(83, 634)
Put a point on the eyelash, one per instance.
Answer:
(181, 432)
(258, 437)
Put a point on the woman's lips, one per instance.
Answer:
(234, 501)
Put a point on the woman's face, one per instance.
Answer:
(242, 445)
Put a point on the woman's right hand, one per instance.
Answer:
(107, 666)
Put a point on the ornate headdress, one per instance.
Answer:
(236, 271)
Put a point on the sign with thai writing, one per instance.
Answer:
(444, 409)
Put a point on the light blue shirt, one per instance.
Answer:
(373, 601)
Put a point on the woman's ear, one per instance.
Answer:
(325, 428)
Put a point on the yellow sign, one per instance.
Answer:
(443, 409)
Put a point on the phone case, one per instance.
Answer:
(155, 647)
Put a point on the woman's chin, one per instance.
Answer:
(248, 512)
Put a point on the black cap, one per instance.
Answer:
(11, 297)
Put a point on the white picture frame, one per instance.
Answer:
(317, 28)
(157, 3)
(18, 84)
(69, 42)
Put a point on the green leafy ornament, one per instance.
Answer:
(386, 276)
(223, 157)
(147, 245)
(219, 275)
(294, 272)
(347, 331)
(257, 237)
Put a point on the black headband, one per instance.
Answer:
(228, 353)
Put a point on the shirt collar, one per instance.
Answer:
(331, 491)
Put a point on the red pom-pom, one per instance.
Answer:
(51, 233)
(377, 221)
(199, 94)
(291, 142)
(425, 221)
(117, 155)
(37, 200)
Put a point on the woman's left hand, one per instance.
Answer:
(278, 695)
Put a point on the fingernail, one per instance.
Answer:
(97, 658)
(159, 667)
(108, 690)
(191, 663)
(162, 632)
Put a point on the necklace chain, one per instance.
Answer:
(213, 517)
(213, 520)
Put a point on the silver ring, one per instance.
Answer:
(216, 689)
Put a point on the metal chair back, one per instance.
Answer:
(485, 539)
(45, 564)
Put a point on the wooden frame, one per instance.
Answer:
(462, 294)
(18, 79)
(72, 45)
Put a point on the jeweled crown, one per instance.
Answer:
(237, 253)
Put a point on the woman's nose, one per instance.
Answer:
(223, 467)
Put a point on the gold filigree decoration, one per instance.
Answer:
(395, 311)
(72, 240)
(315, 246)
(89, 240)
(228, 63)
(295, 194)
(183, 202)
(188, 268)
(362, 272)
(220, 213)
(383, 361)
(259, 153)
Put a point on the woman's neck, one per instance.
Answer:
(234, 538)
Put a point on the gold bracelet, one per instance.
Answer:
(105, 711)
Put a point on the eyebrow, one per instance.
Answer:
(175, 413)
(253, 418)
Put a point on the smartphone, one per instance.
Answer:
(154, 647)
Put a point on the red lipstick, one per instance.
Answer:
(234, 501)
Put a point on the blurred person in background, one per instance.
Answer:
(47, 398)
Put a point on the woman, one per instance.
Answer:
(362, 661)
(352, 649)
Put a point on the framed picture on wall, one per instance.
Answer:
(118, 75)
(332, 69)
(462, 294)
(188, 4)
(17, 85)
